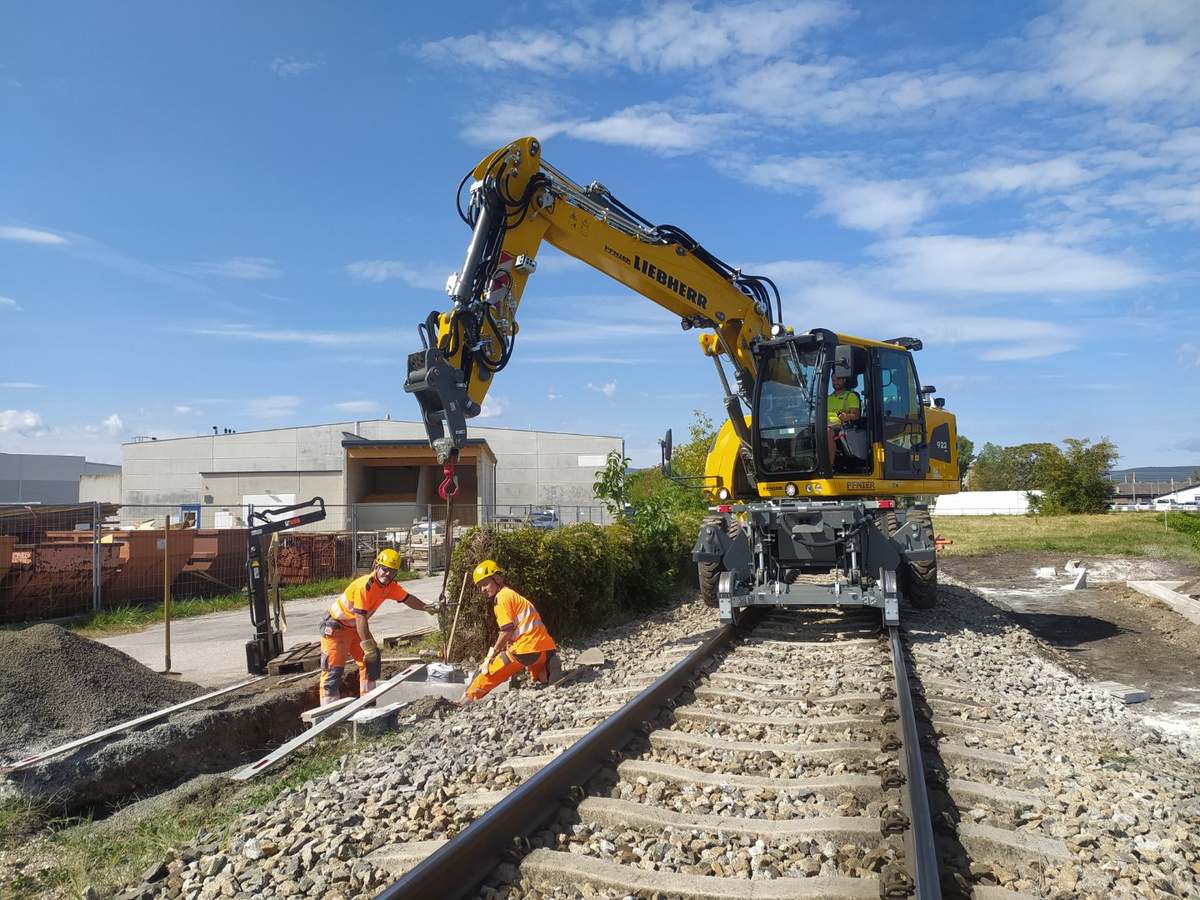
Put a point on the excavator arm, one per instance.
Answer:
(517, 202)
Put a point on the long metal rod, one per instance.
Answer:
(458, 866)
(333, 719)
(124, 726)
(923, 850)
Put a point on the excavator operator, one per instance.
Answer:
(345, 632)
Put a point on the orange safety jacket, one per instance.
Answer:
(364, 595)
(515, 613)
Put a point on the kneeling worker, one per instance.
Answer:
(345, 632)
(523, 642)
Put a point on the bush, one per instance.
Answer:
(580, 577)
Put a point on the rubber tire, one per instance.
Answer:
(710, 573)
(919, 584)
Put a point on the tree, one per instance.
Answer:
(688, 462)
(1077, 482)
(966, 456)
(1070, 482)
(609, 486)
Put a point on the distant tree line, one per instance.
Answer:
(1070, 480)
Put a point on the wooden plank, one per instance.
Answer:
(124, 726)
(301, 658)
(275, 755)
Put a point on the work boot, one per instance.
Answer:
(554, 669)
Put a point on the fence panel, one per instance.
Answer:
(67, 560)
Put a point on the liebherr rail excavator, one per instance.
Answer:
(803, 514)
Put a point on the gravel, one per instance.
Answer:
(1119, 793)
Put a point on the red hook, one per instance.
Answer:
(445, 491)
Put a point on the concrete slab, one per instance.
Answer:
(1123, 692)
(1047, 572)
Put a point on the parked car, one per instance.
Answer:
(544, 519)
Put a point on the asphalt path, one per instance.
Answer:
(211, 650)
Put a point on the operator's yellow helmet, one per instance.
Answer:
(487, 569)
(389, 559)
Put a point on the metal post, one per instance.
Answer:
(97, 554)
(167, 592)
(429, 520)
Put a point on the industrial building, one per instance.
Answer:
(371, 474)
(46, 479)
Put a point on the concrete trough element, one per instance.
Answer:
(379, 720)
(438, 683)
(1167, 593)
(1080, 582)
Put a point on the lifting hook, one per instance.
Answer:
(449, 486)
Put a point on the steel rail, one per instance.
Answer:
(464, 862)
(919, 840)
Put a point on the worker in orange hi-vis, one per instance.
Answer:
(523, 642)
(345, 630)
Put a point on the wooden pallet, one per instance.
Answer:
(301, 658)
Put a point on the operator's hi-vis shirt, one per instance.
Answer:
(846, 402)
(515, 612)
(364, 595)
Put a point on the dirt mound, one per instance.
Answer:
(59, 687)
(1191, 588)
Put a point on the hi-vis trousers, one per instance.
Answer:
(505, 665)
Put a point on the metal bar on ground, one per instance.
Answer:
(124, 726)
(275, 755)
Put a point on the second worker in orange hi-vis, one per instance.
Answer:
(523, 642)
(345, 630)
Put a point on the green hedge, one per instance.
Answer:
(580, 577)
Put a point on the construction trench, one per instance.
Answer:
(64, 688)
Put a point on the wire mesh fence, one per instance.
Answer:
(67, 560)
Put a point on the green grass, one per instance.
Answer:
(62, 858)
(1114, 534)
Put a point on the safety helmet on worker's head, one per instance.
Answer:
(389, 559)
(487, 569)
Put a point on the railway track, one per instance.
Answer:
(785, 759)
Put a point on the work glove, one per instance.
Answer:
(433, 608)
(370, 651)
(487, 660)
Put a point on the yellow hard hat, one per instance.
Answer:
(389, 559)
(487, 569)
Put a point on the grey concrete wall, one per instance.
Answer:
(41, 478)
(215, 471)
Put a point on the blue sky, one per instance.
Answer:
(236, 214)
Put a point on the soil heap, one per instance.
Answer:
(58, 687)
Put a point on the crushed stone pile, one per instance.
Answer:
(58, 687)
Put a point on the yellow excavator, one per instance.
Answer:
(804, 499)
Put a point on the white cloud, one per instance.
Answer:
(238, 331)
(654, 128)
(19, 384)
(1116, 53)
(1026, 263)
(248, 267)
(8, 303)
(378, 270)
(268, 409)
(608, 389)
(113, 424)
(493, 407)
(23, 422)
(854, 200)
(290, 67)
(671, 37)
(357, 406)
(1046, 175)
(30, 236)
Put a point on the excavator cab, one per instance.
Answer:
(794, 435)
